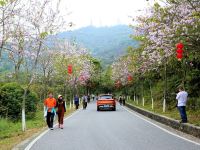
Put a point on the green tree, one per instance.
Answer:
(11, 100)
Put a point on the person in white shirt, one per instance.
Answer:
(181, 104)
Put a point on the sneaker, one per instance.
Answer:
(183, 121)
(51, 128)
(61, 126)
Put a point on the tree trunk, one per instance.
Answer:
(152, 101)
(26, 90)
(23, 111)
(3, 33)
(165, 88)
(142, 93)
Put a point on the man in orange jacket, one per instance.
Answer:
(50, 104)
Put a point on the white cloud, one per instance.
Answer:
(102, 12)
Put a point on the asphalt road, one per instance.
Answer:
(109, 130)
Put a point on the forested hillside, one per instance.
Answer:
(105, 43)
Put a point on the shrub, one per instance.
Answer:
(11, 95)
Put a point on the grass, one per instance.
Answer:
(193, 116)
(11, 133)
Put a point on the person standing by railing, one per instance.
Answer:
(181, 105)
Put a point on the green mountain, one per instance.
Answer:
(105, 43)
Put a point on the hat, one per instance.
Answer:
(59, 96)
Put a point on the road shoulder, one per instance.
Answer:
(28, 143)
(165, 128)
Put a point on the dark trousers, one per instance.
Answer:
(84, 105)
(183, 114)
(60, 117)
(120, 102)
(123, 102)
(50, 117)
(76, 106)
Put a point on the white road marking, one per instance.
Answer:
(161, 127)
(43, 133)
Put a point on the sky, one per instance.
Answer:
(102, 12)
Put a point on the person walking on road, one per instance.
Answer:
(50, 104)
(123, 100)
(88, 98)
(120, 100)
(93, 97)
(181, 104)
(61, 109)
(84, 102)
(76, 101)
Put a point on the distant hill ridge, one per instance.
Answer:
(105, 43)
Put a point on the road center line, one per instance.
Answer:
(169, 132)
(43, 133)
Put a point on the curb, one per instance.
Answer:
(186, 127)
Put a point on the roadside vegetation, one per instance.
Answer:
(193, 115)
(33, 61)
(152, 72)
(11, 133)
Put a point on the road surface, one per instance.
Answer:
(109, 130)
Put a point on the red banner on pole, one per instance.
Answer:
(70, 70)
